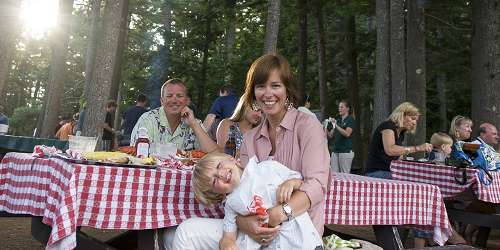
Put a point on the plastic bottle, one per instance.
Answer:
(142, 143)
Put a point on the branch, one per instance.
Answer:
(449, 24)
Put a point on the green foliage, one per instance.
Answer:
(23, 120)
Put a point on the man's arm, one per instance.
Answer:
(209, 120)
(206, 143)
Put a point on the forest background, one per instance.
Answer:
(441, 55)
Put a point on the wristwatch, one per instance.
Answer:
(287, 209)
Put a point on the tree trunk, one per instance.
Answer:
(105, 64)
(117, 72)
(441, 90)
(9, 11)
(484, 59)
(272, 26)
(320, 39)
(95, 25)
(416, 82)
(57, 73)
(382, 86)
(302, 10)
(230, 39)
(351, 61)
(397, 53)
(206, 46)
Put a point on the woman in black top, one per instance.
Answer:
(387, 140)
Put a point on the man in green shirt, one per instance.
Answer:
(173, 122)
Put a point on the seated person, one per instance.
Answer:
(218, 177)
(441, 147)
(173, 122)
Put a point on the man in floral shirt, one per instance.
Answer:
(173, 122)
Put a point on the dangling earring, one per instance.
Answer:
(255, 107)
(288, 104)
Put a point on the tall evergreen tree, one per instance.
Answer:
(272, 26)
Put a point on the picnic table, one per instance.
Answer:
(454, 184)
(67, 196)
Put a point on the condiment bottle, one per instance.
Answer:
(142, 143)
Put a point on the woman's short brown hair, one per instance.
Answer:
(261, 69)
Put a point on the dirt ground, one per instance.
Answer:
(15, 234)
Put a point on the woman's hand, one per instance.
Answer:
(227, 244)
(251, 225)
(285, 190)
(427, 147)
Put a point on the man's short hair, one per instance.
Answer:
(227, 88)
(174, 81)
(111, 103)
(482, 129)
(141, 98)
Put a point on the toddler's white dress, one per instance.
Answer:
(262, 179)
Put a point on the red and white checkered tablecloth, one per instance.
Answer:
(445, 177)
(361, 200)
(70, 195)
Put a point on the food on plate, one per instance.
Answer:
(127, 150)
(111, 157)
(148, 161)
(197, 154)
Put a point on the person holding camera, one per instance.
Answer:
(341, 130)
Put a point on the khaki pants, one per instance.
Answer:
(341, 162)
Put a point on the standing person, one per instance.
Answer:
(130, 117)
(292, 138)
(67, 129)
(174, 122)
(108, 132)
(342, 132)
(223, 107)
(4, 122)
(242, 120)
(387, 141)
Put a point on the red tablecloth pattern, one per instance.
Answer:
(445, 177)
(361, 200)
(70, 195)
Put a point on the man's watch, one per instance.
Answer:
(287, 209)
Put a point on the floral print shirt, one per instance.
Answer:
(159, 132)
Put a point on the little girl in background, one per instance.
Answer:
(218, 177)
(441, 143)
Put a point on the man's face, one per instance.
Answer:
(490, 136)
(174, 99)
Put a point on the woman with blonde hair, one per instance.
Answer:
(243, 119)
(387, 141)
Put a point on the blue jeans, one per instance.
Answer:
(381, 174)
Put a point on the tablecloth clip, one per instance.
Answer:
(464, 176)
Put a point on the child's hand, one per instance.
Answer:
(285, 190)
(227, 243)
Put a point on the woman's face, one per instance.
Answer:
(464, 131)
(253, 117)
(271, 96)
(410, 122)
(343, 109)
